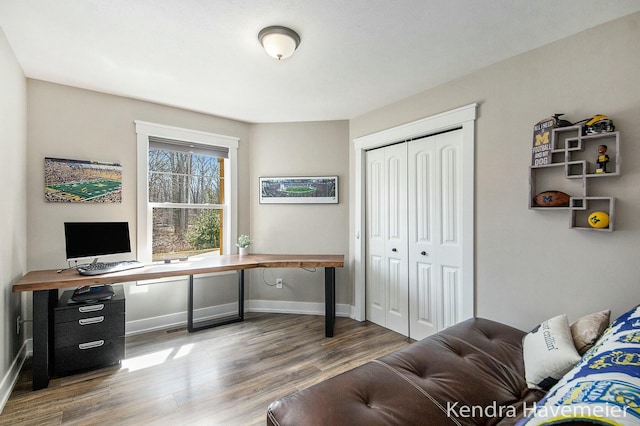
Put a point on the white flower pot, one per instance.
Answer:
(243, 251)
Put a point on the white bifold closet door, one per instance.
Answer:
(387, 282)
(414, 251)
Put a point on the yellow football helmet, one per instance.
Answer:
(599, 123)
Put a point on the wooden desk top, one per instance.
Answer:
(51, 279)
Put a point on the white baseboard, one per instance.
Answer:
(179, 319)
(302, 308)
(10, 378)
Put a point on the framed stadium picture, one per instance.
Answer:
(80, 181)
(299, 190)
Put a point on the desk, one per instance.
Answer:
(45, 285)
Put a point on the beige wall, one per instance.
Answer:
(300, 149)
(67, 122)
(529, 264)
(13, 207)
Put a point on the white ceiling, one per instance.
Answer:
(355, 55)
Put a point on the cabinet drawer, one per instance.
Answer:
(76, 312)
(96, 353)
(88, 329)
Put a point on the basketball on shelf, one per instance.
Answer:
(598, 220)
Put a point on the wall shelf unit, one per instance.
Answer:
(572, 166)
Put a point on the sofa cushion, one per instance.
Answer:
(476, 363)
(368, 395)
(604, 388)
(549, 352)
(469, 374)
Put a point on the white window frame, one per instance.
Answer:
(145, 209)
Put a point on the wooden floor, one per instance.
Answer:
(222, 376)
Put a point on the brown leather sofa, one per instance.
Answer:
(468, 374)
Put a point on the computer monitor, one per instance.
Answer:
(93, 239)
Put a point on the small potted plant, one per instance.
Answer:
(243, 244)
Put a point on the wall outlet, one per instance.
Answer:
(278, 282)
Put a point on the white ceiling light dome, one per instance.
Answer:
(279, 42)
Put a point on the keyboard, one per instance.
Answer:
(97, 268)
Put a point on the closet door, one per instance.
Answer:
(387, 289)
(435, 245)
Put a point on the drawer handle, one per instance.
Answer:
(90, 345)
(88, 321)
(91, 308)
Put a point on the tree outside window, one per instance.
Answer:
(186, 194)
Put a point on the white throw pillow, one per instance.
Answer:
(549, 353)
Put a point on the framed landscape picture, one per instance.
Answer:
(299, 190)
(80, 181)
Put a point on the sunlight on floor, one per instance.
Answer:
(156, 358)
(145, 361)
(183, 351)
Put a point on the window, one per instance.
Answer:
(186, 193)
(186, 196)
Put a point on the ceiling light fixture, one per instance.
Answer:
(279, 42)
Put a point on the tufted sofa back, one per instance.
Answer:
(468, 374)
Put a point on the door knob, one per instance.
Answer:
(424, 253)
(394, 249)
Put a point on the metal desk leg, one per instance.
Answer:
(43, 303)
(201, 325)
(241, 294)
(329, 300)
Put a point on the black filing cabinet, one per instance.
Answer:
(88, 335)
